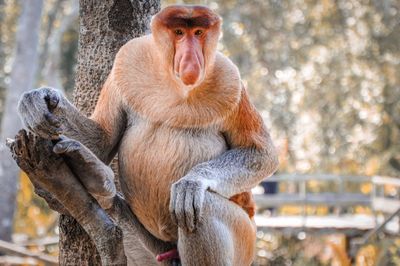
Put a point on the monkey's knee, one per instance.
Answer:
(226, 236)
(210, 244)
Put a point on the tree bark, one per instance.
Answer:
(104, 27)
(22, 79)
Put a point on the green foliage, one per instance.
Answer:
(326, 73)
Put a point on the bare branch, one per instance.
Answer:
(50, 173)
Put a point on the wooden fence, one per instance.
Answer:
(337, 192)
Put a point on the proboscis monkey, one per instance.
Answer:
(188, 138)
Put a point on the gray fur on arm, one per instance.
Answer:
(237, 170)
(49, 114)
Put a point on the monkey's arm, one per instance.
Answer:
(252, 155)
(46, 112)
(250, 158)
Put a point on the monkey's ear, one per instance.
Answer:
(161, 35)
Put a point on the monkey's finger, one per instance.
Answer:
(180, 206)
(47, 131)
(189, 208)
(198, 206)
(52, 99)
(67, 146)
(52, 119)
(25, 115)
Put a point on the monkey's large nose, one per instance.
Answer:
(189, 68)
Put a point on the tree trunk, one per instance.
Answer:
(104, 27)
(55, 11)
(2, 53)
(22, 79)
(51, 65)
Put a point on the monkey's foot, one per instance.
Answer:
(96, 176)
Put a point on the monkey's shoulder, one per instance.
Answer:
(134, 55)
(224, 68)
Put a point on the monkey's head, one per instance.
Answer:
(187, 38)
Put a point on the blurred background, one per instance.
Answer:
(324, 74)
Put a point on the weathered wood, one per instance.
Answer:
(12, 249)
(319, 177)
(378, 202)
(340, 198)
(385, 205)
(386, 180)
(360, 222)
(323, 199)
(44, 241)
(49, 171)
(15, 260)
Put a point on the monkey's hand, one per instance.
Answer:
(187, 196)
(42, 111)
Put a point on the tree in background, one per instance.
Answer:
(22, 79)
(67, 12)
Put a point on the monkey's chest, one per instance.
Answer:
(151, 158)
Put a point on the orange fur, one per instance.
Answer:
(108, 108)
(245, 241)
(170, 134)
(246, 201)
(245, 126)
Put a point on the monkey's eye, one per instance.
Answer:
(179, 32)
(198, 32)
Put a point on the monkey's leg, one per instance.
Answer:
(140, 246)
(226, 236)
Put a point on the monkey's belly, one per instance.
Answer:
(151, 159)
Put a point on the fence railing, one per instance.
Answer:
(342, 192)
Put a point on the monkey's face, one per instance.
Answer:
(188, 62)
(187, 37)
